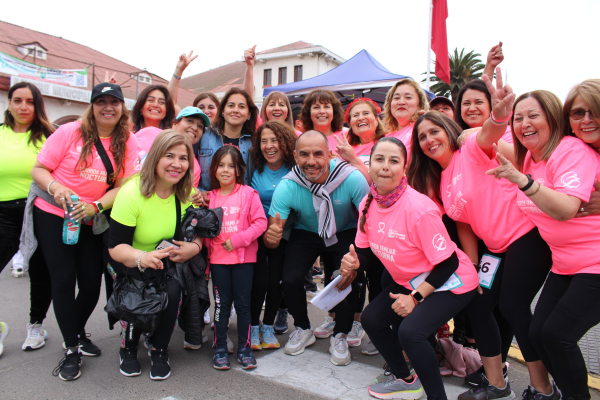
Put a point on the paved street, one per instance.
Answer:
(28, 375)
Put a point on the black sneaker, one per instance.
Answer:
(477, 377)
(130, 366)
(532, 394)
(69, 367)
(88, 348)
(221, 359)
(485, 391)
(246, 358)
(161, 369)
(281, 322)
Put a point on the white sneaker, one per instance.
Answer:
(356, 334)
(325, 330)
(3, 333)
(207, 317)
(299, 340)
(190, 346)
(17, 272)
(36, 337)
(338, 347)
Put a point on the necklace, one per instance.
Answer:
(277, 177)
(164, 201)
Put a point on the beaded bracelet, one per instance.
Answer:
(139, 262)
(48, 187)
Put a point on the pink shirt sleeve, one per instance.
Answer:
(257, 226)
(56, 146)
(430, 235)
(132, 158)
(361, 240)
(196, 172)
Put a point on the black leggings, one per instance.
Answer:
(231, 285)
(528, 262)
(302, 250)
(162, 335)
(568, 307)
(70, 265)
(411, 333)
(266, 281)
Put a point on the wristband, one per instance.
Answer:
(96, 210)
(538, 189)
(529, 183)
(199, 248)
(177, 77)
(48, 187)
(497, 122)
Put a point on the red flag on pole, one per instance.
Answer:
(439, 40)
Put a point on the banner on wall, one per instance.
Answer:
(69, 77)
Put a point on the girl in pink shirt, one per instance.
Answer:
(232, 254)
(556, 173)
(513, 252)
(432, 279)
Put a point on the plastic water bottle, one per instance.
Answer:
(190, 231)
(70, 226)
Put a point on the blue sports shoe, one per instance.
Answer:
(221, 359)
(255, 337)
(246, 358)
(268, 339)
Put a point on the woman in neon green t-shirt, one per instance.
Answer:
(142, 217)
(25, 129)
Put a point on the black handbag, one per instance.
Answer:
(141, 302)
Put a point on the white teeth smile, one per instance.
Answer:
(588, 129)
(473, 115)
(527, 134)
(433, 148)
(362, 124)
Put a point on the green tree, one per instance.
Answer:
(463, 68)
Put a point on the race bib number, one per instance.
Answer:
(488, 266)
(452, 283)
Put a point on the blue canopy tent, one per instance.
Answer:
(360, 76)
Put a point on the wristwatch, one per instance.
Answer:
(98, 207)
(417, 296)
(529, 183)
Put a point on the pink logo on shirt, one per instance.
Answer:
(570, 180)
(439, 242)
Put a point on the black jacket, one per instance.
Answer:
(190, 274)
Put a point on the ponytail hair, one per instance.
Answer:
(363, 217)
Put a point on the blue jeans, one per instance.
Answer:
(232, 283)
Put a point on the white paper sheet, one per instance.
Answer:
(329, 297)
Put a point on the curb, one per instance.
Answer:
(515, 353)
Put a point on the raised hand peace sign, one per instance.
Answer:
(502, 97)
(344, 149)
(184, 60)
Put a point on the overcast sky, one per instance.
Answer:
(547, 44)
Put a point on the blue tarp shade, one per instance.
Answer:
(360, 76)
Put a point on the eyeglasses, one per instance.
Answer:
(580, 114)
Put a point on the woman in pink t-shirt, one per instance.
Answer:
(582, 110)
(68, 164)
(154, 107)
(232, 254)
(404, 102)
(432, 279)
(556, 173)
(513, 252)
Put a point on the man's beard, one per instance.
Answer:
(323, 171)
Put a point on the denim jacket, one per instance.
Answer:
(211, 142)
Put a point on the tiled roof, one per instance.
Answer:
(65, 54)
(218, 79)
(287, 47)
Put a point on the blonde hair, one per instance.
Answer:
(166, 140)
(552, 107)
(390, 120)
(277, 96)
(589, 90)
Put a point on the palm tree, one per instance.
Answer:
(463, 68)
